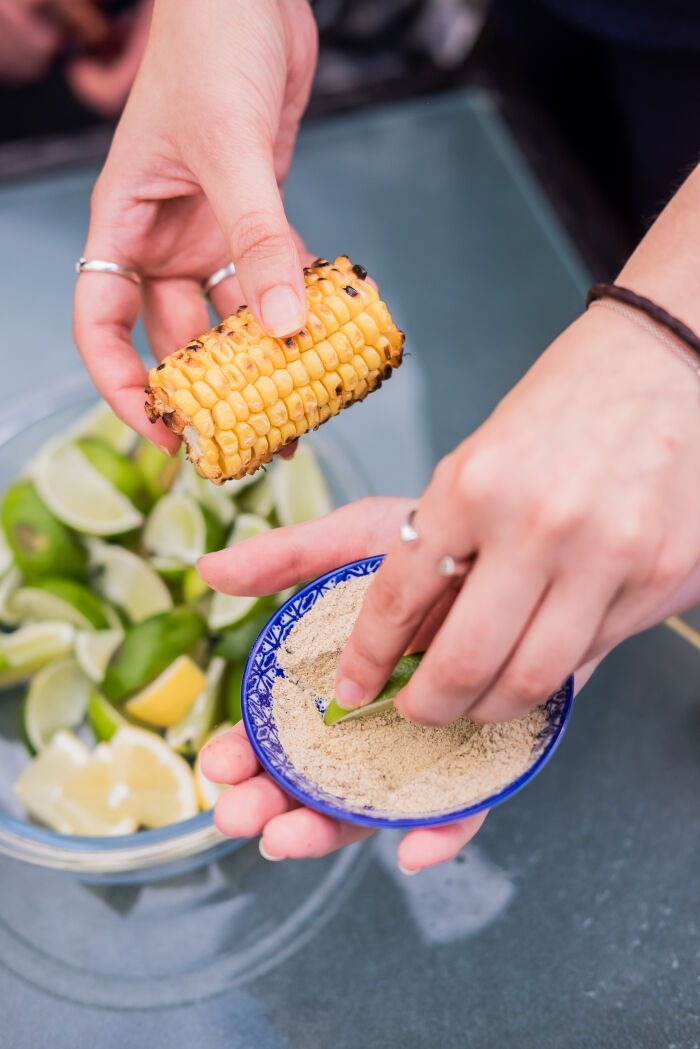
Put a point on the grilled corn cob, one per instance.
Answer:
(237, 396)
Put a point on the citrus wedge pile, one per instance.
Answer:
(122, 661)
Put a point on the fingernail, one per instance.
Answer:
(266, 855)
(406, 871)
(349, 694)
(166, 451)
(282, 312)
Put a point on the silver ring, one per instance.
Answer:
(408, 531)
(450, 566)
(229, 270)
(100, 266)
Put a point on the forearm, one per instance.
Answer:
(666, 265)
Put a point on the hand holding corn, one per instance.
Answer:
(237, 396)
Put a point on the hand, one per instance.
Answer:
(103, 84)
(255, 804)
(32, 32)
(579, 500)
(192, 181)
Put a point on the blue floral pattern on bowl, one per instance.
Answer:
(261, 670)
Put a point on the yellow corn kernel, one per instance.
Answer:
(368, 327)
(338, 307)
(209, 449)
(360, 366)
(348, 375)
(267, 390)
(239, 404)
(218, 381)
(316, 326)
(313, 418)
(290, 350)
(260, 422)
(308, 398)
(232, 464)
(204, 394)
(357, 339)
(379, 313)
(320, 392)
(247, 366)
(342, 346)
(252, 398)
(203, 422)
(274, 437)
(298, 372)
(371, 358)
(192, 368)
(184, 400)
(175, 378)
(261, 448)
(227, 442)
(327, 354)
(284, 383)
(333, 383)
(312, 362)
(295, 405)
(304, 340)
(245, 434)
(234, 375)
(224, 416)
(278, 413)
(288, 431)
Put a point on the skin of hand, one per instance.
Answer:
(103, 84)
(192, 181)
(255, 804)
(285, 557)
(32, 32)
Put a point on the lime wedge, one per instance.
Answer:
(176, 529)
(299, 487)
(103, 718)
(148, 648)
(169, 568)
(56, 699)
(126, 580)
(41, 544)
(172, 694)
(79, 495)
(101, 422)
(26, 650)
(118, 470)
(94, 648)
(405, 669)
(229, 609)
(214, 497)
(62, 599)
(39, 786)
(207, 792)
(189, 733)
(157, 469)
(9, 585)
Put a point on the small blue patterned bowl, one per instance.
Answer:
(260, 672)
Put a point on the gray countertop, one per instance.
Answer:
(572, 921)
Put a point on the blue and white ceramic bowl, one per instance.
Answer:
(260, 673)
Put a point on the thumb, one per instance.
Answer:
(243, 193)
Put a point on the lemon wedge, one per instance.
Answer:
(91, 799)
(156, 784)
(40, 785)
(170, 696)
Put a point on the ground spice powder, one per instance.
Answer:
(385, 761)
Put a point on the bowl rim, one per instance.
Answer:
(144, 850)
(363, 817)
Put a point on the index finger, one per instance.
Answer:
(105, 310)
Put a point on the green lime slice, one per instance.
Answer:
(79, 495)
(235, 645)
(300, 489)
(26, 650)
(193, 587)
(101, 422)
(57, 699)
(229, 609)
(176, 529)
(94, 649)
(258, 498)
(404, 671)
(127, 581)
(65, 599)
(157, 469)
(233, 692)
(148, 648)
(189, 734)
(9, 585)
(118, 470)
(103, 718)
(40, 543)
(169, 568)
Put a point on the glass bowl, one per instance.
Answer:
(148, 854)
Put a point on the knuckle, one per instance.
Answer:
(527, 685)
(391, 603)
(460, 672)
(479, 479)
(560, 517)
(625, 540)
(257, 236)
(670, 568)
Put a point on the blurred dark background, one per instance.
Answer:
(602, 95)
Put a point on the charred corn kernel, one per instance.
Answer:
(237, 395)
(253, 398)
(299, 374)
(224, 416)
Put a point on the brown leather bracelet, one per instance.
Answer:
(655, 313)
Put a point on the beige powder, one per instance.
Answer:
(384, 761)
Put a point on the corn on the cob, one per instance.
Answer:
(237, 395)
